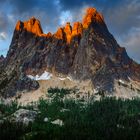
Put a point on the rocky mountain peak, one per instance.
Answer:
(92, 15)
(68, 31)
(77, 29)
(32, 25)
(60, 34)
(84, 51)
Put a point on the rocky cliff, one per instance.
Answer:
(83, 51)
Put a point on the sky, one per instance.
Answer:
(121, 16)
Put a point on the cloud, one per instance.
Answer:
(3, 21)
(45, 10)
(3, 36)
(132, 41)
(120, 15)
(65, 17)
(124, 16)
(22, 6)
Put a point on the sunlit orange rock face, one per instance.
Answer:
(77, 29)
(60, 34)
(92, 15)
(68, 31)
(65, 33)
(32, 25)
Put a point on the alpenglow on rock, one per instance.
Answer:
(83, 51)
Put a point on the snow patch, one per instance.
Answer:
(64, 110)
(45, 76)
(46, 119)
(121, 81)
(95, 91)
(129, 78)
(31, 77)
(62, 79)
(69, 78)
(58, 122)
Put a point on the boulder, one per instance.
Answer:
(23, 116)
(58, 122)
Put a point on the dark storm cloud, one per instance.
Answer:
(22, 6)
(3, 26)
(120, 15)
(132, 42)
(45, 10)
(32, 6)
(124, 16)
(100, 3)
(3, 21)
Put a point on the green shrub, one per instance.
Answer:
(58, 92)
(8, 109)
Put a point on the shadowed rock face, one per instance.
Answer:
(1, 58)
(1, 61)
(85, 51)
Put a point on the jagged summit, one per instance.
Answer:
(82, 51)
(92, 15)
(32, 25)
(67, 32)
(77, 29)
(60, 34)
